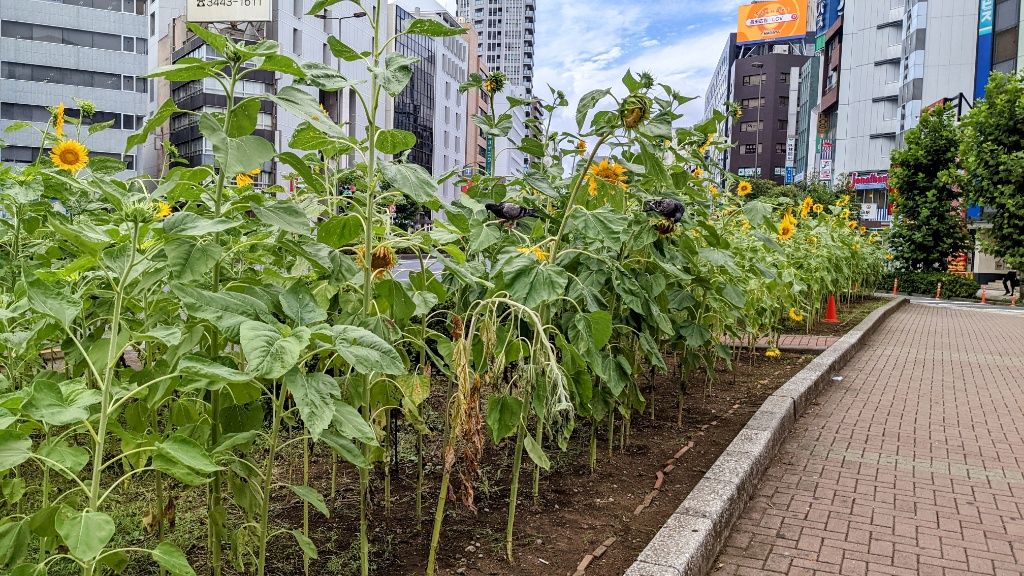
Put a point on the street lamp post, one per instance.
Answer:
(757, 133)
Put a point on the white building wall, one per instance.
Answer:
(867, 121)
(508, 159)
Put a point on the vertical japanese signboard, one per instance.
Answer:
(986, 22)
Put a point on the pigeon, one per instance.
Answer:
(667, 207)
(508, 211)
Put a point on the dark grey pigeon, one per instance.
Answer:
(508, 211)
(667, 207)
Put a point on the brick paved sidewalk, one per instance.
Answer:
(797, 342)
(912, 464)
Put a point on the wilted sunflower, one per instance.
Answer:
(635, 109)
(707, 143)
(384, 259)
(70, 155)
(163, 210)
(795, 316)
(58, 120)
(609, 172)
(664, 227)
(874, 237)
(818, 208)
(773, 353)
(786, 230)
(744, 188)
(535, 250)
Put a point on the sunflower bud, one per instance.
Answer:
(495, 82)
(137, 212)
(646, 80)
(635, 109)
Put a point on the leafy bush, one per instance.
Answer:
(953, 285)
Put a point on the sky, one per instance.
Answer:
(584, 45)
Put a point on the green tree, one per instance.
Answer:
(992, 152)
(928, 227)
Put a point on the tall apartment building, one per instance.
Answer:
(476, 104)
(53, 51)
(506, 36)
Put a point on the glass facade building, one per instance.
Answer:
(414, 106)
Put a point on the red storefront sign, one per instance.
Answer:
(869, 180)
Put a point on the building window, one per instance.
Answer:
(780, 147)
(783, 124)
(749, 103)
(67, 36)
(152, 24)
(784, 101)
(784, 77)
(751, 126)
(753, 79)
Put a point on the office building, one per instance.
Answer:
(53, 52)
(1000, 43)
(476, 105)
(506, 37)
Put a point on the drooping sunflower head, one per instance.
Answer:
(382, 260)
(243, 180)
(788, 217)
(852, 224)
(664, 227)
(70, 155)
(786, 230)
(863, 230)
(707, 144)
(635, 109)
(744, 188)
(773, 353)
(610, 172)
(874, 238)
(163, 210)
(581, 146)
(58, 120)
(795, 316)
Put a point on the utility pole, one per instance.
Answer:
(757, 134)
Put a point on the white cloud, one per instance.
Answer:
(584, 45)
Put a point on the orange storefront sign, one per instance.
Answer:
(771, 21)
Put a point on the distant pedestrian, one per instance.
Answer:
(1010, 282)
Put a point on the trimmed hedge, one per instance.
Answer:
(953, 285)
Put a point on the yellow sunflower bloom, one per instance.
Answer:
(698, 172)
(243, 180)
(795, 316)
(852, 224)
(714, 190)
(863, 230)
(818, 208)
(163, 210)
(844, 200)
(744, 188)
(889, 257)
(707, 143)
(845, 214)
(581, 146)
(609, 172)
(70, 155)
(745, 225)
(58, 121)
(537, 252)
(786, 230)
(773, 353)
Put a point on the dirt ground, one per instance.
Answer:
(578, 510)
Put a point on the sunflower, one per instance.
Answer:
(698, 172)
(744, 188)
(536, 251)
(863, 230)
(805, 207)
(70, 155)
(795, 316)
(818, 208)
(773, 353)
(852, 224)
(581, 146)
(813, 240)
(874, 237)
(745, 225)
(58, 121)
(383, 259)
(609, 172)
(163, 210)
(788, 217)
(786, 230)
(889, 257)
(856, 246)
(707, 143)
(664, 227)
(844, 200)
(714, 190)
(845, 214)
(243, 180)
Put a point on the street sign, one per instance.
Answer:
(825, 172)
(229, 10)
(789, 174)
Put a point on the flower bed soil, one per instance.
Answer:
(578, 511)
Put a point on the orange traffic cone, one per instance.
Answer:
(984, 299)
(938, 292)
(895, 285)
(830, 311)
(1013, 302)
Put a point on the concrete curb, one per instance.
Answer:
(691, 538)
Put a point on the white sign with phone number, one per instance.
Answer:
(229, 10)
